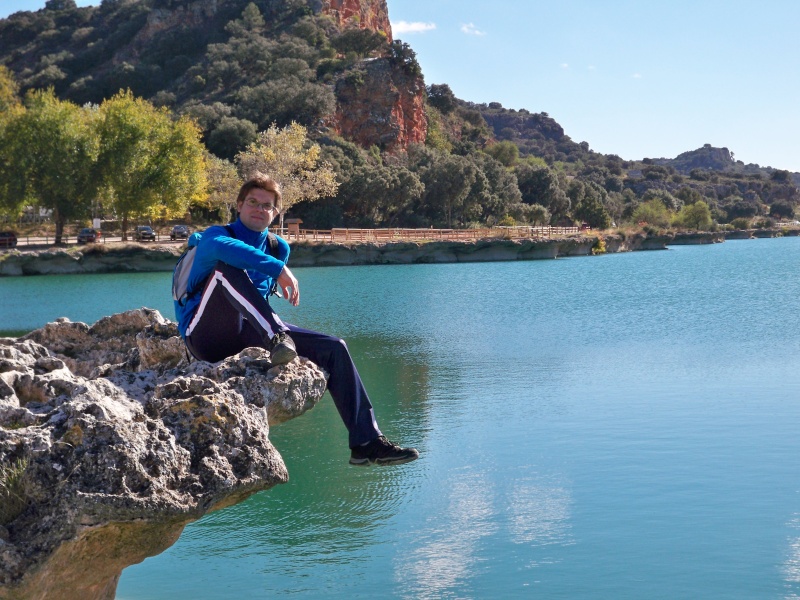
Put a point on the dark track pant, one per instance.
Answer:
(233, 315)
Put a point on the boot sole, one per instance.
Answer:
(382, 462)
(281, 358)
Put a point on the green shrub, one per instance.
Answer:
(599, 246)
(507, 221)
(764, 223)
(741, 223)
(652, 212)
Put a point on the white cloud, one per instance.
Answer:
(415, 27)
(565, 65)
(470, 29)
(637, 76)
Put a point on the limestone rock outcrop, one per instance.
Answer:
(111, 442)
(381, 104)
(366, 14)
(94, 258)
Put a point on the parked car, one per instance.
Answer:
(88, 235)
(144, 233)
(8, 239)
(179, 232)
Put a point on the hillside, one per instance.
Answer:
(235, 65)
(405, 153)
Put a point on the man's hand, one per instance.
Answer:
(289, 286)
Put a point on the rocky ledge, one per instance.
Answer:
(111, 442)
(94, 258)
(126, 258)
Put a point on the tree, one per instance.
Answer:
(505, 152)
(223, 187)
(688, 195)
(590, 208)
(49, 152)
(694, 216)
(442, 97)
(448, 182)
(285, 100)
(535, 214)
(663, 196)
(781, 176)
(288, 157)
(376, 195)
(655, 172)
(149, 164)
(361, 42)
(9, 90)
(781, 209)
(539, 185)
(60, 5)
(736, 206)
(401, 55)
(230, 136)
(501, 189)
(652, 212)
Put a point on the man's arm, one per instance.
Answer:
(215, 245)
(289, 286)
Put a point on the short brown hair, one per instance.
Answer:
(264, 182)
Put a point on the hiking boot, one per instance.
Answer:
(381, 451)
(282, 349)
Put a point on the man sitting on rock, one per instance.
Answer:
(232, 278)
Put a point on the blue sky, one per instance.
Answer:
(639, 79)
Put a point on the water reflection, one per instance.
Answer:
(539, 513)
(449, 552)
(791, 567)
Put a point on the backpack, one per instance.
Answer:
(180, 277)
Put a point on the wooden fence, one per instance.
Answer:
(407, 235)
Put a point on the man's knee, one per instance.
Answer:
(332, 346)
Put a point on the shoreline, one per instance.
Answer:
(140, 258)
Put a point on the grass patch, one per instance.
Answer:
(14, 490)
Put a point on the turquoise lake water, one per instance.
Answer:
(622, 426)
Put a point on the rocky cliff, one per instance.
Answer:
(110, 443)
(707, 157)
(512, 124)
(381, 104)
(367, 14)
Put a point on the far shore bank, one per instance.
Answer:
(133, 257)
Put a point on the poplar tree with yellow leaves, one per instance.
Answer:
(151, 166)
(286, 155)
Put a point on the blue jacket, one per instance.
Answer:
(249, 251)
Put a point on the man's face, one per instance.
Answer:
(258, 209)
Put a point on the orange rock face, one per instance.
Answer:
(384, 108)
(367, 14)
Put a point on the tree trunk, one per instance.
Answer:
(59, 225)
(124, 228)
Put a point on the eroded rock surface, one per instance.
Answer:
(118, 442)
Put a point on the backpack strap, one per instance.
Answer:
(189, 294)
(272, 241)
